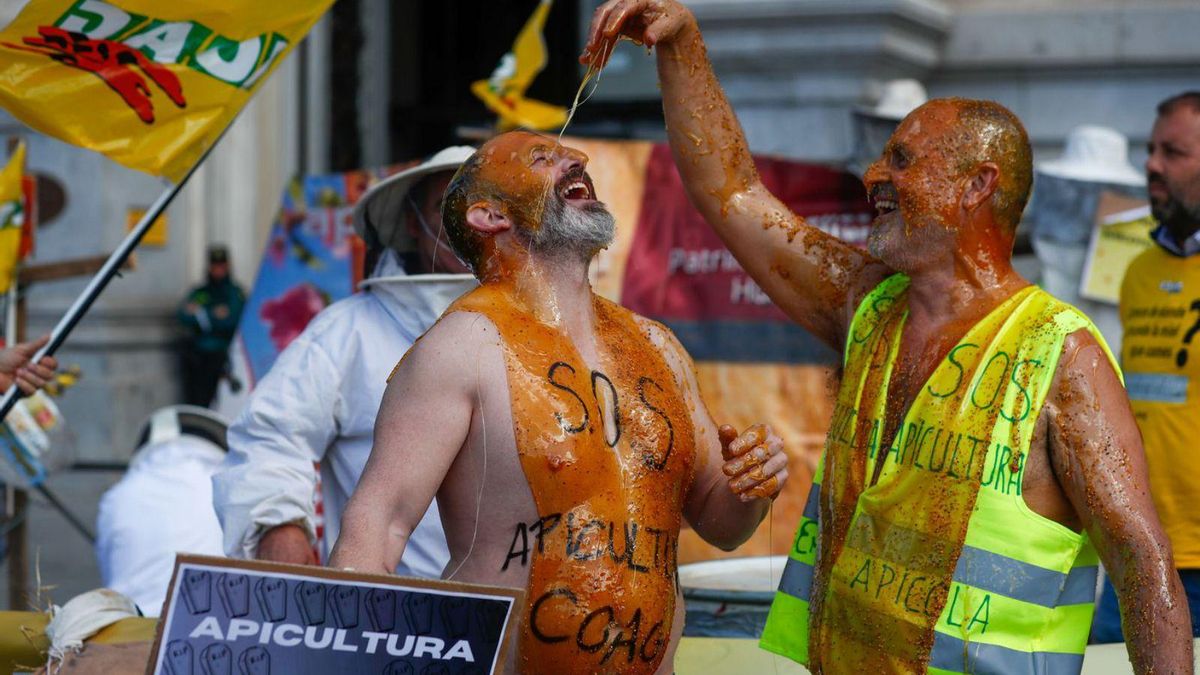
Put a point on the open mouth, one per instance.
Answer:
(884, 199)
(577, 187)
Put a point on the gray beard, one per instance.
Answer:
(568, 231)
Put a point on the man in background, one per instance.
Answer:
(209, 315)
(318, 402)
(1160, 314)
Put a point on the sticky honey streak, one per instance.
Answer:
(592, 71)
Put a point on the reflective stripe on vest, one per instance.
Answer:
(786, 631)
(1022, 581)
(797, 574)
(984, 659)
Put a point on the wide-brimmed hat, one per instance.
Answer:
(1095, 154)
(896, 99)
(379, 213)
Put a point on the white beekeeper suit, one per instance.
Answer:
(169, 477)
(318, 401)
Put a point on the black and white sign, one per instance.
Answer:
(235, 617)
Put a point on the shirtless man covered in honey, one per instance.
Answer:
(563, 436)
(982, 457)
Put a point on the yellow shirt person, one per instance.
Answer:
(1160, 310)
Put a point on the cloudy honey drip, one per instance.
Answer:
(608, 451)
(594, 69)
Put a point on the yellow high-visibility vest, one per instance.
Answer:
(940, 566)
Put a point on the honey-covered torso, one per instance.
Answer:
(607, 447)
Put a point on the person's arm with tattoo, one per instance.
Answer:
(813, 277)
(1096, 452)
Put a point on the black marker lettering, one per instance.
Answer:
(562, 422)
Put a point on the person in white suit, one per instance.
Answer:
(317, 404)
(179, 449)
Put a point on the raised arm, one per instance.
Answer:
(1096, 451)
(422, 424)
(813, 277)
(736, 477)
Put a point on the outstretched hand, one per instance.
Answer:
(16, 368)
(755, 462)
(646, 22)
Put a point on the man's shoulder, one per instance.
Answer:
(656, 331)
(463, 328)
(457, 340)
(457, 332)
(663, 339)
(199, 291)
(1049, 319)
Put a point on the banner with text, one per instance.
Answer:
(227, 616)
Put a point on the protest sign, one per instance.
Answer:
(1122, 232)
(224, 616)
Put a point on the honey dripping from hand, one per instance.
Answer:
(592, 71)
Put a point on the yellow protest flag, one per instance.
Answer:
(12, 216)
(150, 84)
(504, 91)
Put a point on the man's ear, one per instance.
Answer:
(982, 186)
(487, 218)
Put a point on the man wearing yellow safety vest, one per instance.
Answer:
(982, 458)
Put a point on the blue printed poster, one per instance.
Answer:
(233, 617)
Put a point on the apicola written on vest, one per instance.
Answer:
(940, 566)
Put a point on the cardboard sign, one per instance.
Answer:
(237, 617)
(1122, 232)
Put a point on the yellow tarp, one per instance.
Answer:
(23, 640)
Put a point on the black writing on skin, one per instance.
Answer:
(636, 547)
(650, 442)
(601, 630)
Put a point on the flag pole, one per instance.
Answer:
(111, 268)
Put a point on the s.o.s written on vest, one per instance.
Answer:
(225, 616)
(941, 566)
